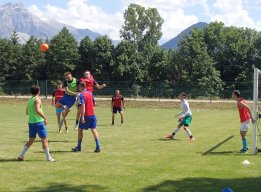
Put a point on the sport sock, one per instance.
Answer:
(24, 151)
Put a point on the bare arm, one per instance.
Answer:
(70, 92)
(82, 111)
(37, 104)
(99, 86)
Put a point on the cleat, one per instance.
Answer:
(97, 150)
(192, 139)
(243, 151)
(20, 158)
(76, 126)
(169, 137)
(50, 159)
(76, 149)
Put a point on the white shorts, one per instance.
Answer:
(245, 125)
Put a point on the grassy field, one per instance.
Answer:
(135, 156)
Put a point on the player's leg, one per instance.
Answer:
(77, 119)
(114, 111)
(243, 131)
(186, 122)
(97, 140)
(79, 144)
(25, 149)
(185, 127)
(171, 136)
(41, 130)
(65, 124)
(121, 113)
(58, 116)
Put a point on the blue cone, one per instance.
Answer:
(227, 189)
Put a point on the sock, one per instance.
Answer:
(79, 143)
(112, 122)
(97, 141)
(47, 154)
(175, 131)
(188, 132)
(76, 122)
(121, 121)
(244, 142)
(24, 151)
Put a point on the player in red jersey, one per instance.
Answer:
(90, 83)
(58, 93)
(88, 118)
(245, 118)
(117, 102)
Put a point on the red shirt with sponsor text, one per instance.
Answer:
(58, 94)
(243, 112)
(89, 83)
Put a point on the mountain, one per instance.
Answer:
(15, 17)
(173, 43)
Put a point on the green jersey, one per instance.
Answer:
(72, 86)
(33, 116)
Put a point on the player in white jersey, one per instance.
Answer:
(185, 117)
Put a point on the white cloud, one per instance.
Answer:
(231, 12)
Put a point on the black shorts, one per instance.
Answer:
(115, 109)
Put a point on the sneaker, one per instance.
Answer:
(192, 138)
(97, 150)
(60, 130)
(76, 149)
(66, 129)
(169, 136)
(76, 126)
(20, 158)
(243, 151)
(50, 159)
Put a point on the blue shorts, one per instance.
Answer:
(35, 128)
(67, 100)
(90, 122)
(59, 111)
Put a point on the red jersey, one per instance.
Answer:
(243, 112)
(58, 94)
(89, 83)
(116, 99)
(86, 98)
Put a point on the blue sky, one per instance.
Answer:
(106, 16)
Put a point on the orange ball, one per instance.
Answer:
(44, 47)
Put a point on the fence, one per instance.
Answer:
(150, 89)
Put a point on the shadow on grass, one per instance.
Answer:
(210, 151)
(66, 187)
(57, 151)
(166, 139)
(6, 160)
(207, 185)
(52, 141)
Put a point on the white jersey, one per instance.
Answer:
(185, 108)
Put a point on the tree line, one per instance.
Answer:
(212, 59)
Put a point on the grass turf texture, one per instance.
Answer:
(135, 156)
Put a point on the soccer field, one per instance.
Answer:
(135, 156)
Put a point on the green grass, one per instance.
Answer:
(134, 157)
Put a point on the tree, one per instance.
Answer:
(141, 26)
(62, 55)
(103, 51)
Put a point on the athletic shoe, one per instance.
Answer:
(76, 149)
(192, 138)
(60, 131)
(169, 136)
(50, 159)
(76, 126)
(243, 151)
(20, 158)
(97, 150)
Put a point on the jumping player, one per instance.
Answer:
(185, 117)
(58, 93)
(71, 87)
(37, 122)
(245, 118)
(87, 116)
(90, 83)
(117, 102)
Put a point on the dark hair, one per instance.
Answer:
(59, 82)
(237, 93)
(82, 84)
(35, 89)
(183, 94)
(67, 73)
